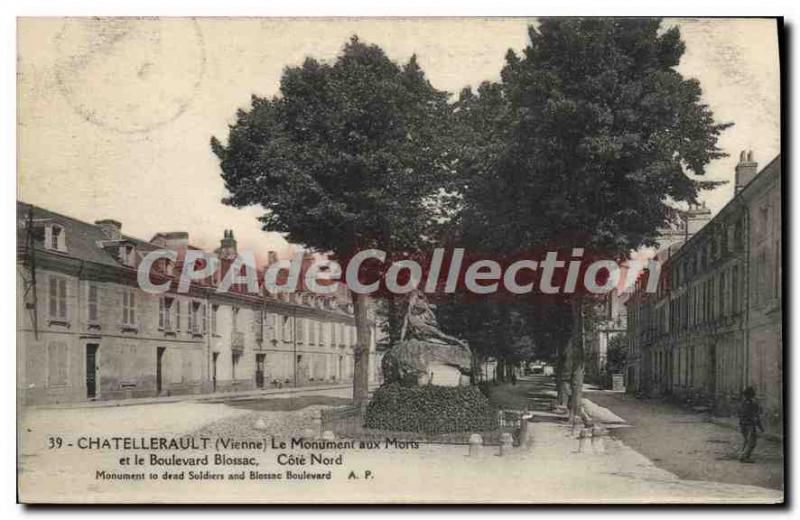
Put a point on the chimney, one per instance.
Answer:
(697, 216)
(745, 170)
(171, 239)
(112, 229)
(227, 246)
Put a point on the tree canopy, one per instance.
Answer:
(350, 154)
(588, 137)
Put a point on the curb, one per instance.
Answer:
(223, 396)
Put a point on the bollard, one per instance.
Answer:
(583, 438)
(328, 435)
(318, 423)
(506, 442)
(598, 439)
(260, 424)
(475, 443)
(526, 431)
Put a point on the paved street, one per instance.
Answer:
(687, 444)
(551, 471)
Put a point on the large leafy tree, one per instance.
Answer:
(350, 155)
(593, 135)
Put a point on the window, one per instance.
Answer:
(194, 318)
(165, 305)
(58, 298)
(128, 307)
(724, 240)
(92, 304)
(312, 332)
(214, 310)
(178, 315)
(301, 330)
(762, 222)
(55, 238)
(55, 234)
(287, 328)
(258, 324)
(57, 363)
(776, 269)
(234, 363)
(738, 235)
(127, 255)
(235, 319)
(270, 326)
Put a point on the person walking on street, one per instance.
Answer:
(749, 420)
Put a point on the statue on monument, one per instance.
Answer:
(425, 354)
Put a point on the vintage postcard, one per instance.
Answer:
(400, 260)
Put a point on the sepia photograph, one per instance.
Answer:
(400, 260)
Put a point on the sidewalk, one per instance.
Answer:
(551, 471)
(689, 444)
(611, 472)
(215, 396)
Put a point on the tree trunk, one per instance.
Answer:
(577, 358)
(394, 319)
(562, 372)
(361, 351)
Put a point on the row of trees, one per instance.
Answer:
(585, 141)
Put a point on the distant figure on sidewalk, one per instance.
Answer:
(749, 420)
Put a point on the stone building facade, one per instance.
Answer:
(714, 326)
(85, 329)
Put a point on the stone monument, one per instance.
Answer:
(425, 355)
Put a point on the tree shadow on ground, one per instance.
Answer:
(286, 404)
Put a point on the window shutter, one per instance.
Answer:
(132, 310)
(124, 306)
(53, 310)
(161, 312)
(190, 312)
(301, 330)
(62, 299)
(93, 307)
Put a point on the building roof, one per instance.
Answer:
(82, 239)
(85, 241)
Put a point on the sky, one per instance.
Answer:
(115, 115)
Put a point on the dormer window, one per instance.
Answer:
(127, 255)
(55, 238)
(169, 267)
